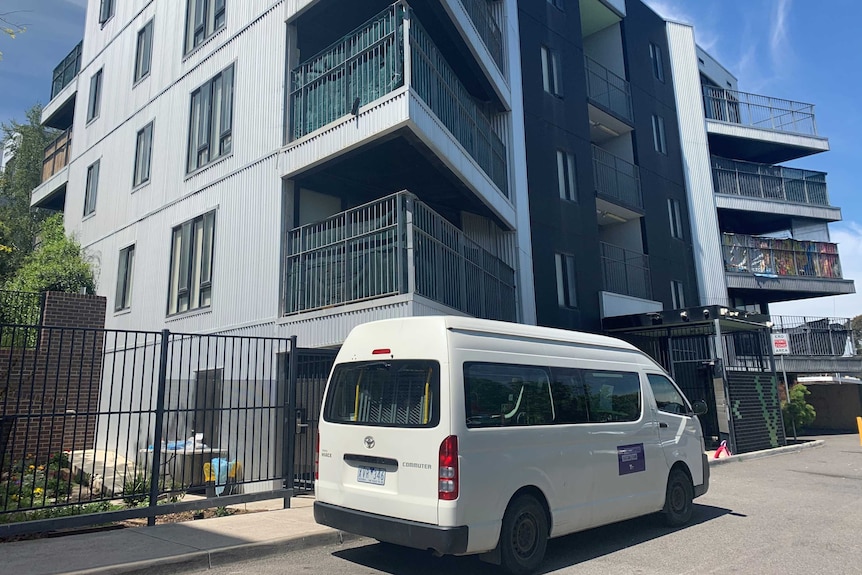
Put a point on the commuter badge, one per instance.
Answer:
(631, 458)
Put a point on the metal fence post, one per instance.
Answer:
(160, 419)
(289, 431)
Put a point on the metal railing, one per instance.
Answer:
(758, 111)
(616, 179)
(106, 425)
(482, 18)
(394, 245)
(772, 257)
(764, 181)
(20, 308)
(625, 272)
(66, 70)
(608, 90)
(371, 62)
(820, 336)
(57, 154)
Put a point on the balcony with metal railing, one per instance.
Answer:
(772, 129)
(60, 109)
(482, 18)
(394, 246)
(608, 91)
(379, 71)
(625, 272)
(616, 180)
(818, 344)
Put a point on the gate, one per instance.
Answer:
(313, 367)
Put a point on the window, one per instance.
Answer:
(144, 52)
(667, 396)
(211, 120)
(95, 96)
(657, 64)
(677, 294)
(566, 176)
(567, 295)
(106, 10)
(125, 271)
(673, 212)
(551, 71)
(203, 19)
(143, 155)
(658, 134)
(391, 393)
(557, 4)
(91, 189)
(498, 395)
(191, 264)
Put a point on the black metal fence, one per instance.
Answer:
(107, 425)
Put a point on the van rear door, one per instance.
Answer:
(380, 438)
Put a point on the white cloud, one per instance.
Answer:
(82, 4)
(779, 47)
(849, 237)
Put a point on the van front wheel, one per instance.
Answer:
(678, 499)
(524, 536)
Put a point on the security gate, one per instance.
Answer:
(313, 367)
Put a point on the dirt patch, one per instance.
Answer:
(184, 516)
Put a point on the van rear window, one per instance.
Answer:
(391, 393)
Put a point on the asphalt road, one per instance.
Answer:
(795, 513)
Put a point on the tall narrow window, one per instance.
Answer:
(674, 213)
(144, 52)
(125, 272)
(92, 188)
(677, 294)
(143, 155)
(658, 135)
(95, 96)
(567, 294)
(203, 19)
(657, 63)
(567, 176)
(551, 71)
(106, 10)
(211, 120)
(191, 264)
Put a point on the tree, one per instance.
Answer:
(856, 330)
(58, 264)
(23, 174)
(798, 411)
(9, 28)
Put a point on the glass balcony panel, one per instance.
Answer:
(66, 70)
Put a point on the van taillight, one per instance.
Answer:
(448, 469)
(317, 457)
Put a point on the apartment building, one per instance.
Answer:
(301, 166)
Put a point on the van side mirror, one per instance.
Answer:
(699, 407)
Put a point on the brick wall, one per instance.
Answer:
(53, 389)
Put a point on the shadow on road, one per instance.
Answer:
(562, 552)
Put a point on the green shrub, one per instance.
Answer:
(797, 410)
(136, 491)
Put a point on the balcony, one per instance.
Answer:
(759, 128)
(626, 283)
(618, 187)
(772, 189)
(390, 247)
(60, 110)
(787, 267)
(385, 76)
(608, 91)
(480, 15)
(52, 191)
(57, 155)
(818, 344)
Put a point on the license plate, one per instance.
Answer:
(372, 475)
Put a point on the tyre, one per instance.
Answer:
(678, 499)
(524, 536)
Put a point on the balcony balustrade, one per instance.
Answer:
(66, 71)
(772, 257)
(608, 90)
(625, 272)
(818, 336)
(616, 179)
(57, 154)
(764, 181)
(758, 111)
(372, 62)
(394, 245)
(482, 18)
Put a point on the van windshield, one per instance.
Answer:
(390, 393)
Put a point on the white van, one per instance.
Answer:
(469, 436)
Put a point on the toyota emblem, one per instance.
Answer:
(369, 442)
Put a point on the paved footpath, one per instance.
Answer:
(196, 545)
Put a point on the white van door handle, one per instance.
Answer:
(662, 425)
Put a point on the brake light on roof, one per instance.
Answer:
(382, 351)
(448, 469)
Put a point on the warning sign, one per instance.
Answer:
(780, 344)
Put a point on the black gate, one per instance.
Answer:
(313, 367)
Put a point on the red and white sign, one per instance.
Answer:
(780, 344)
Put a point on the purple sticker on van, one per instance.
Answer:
(631, 458)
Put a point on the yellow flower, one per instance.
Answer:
(41, 468)
(37, 491)
(32, 467)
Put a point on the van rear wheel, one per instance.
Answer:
(678, 504)
(524, 536)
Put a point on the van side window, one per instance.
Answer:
(502, 394)
(667, 397)
(612, 395)
(570, 398)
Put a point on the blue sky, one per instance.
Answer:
(803, 50)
